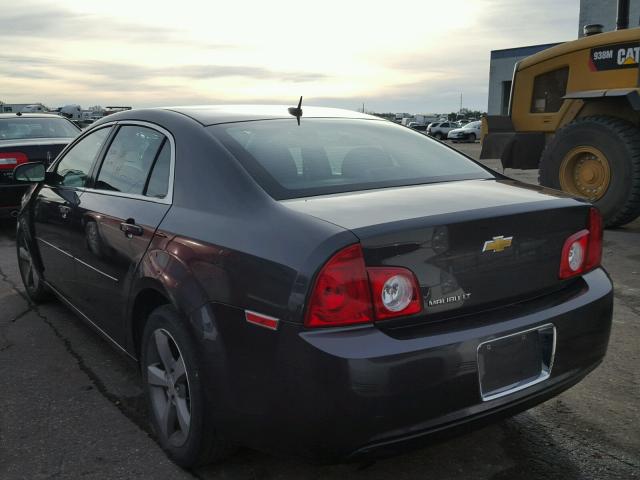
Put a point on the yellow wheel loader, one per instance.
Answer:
(574, 114)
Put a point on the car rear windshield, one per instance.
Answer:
(325, 156)
(25, 127)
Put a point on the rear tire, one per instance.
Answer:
(438, 136)
(472, 137)
(177, 398)
(618, 141)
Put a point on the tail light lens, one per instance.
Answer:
(594, 250)
(395, 292)
(573, 254)
(10, 160)
(582, 251)
(342, 292)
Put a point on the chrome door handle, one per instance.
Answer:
(131, 229)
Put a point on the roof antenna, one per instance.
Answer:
(297, 111)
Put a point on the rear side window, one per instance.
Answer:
(129, 159)
(158, 185)
(323, 156)
(73, 170)
(548, 90)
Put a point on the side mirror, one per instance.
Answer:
(32, 172)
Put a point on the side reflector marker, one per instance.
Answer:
(261, 320)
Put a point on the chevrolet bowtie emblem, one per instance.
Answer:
(498, 244)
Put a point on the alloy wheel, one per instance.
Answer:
(169, 388)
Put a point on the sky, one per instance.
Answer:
(413, 56)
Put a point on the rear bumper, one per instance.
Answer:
(338, 393)
(395, 445)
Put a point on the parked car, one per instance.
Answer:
(329, 285)
(440, 130)
(418, 126)
(27, 137)
(469, 133)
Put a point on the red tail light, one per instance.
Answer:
(10, 160)
(582, 251)
(342, 292)
(594, 249)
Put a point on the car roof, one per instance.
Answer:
(215, 114)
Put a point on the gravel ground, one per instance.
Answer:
(71, 406)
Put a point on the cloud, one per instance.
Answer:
(83, 53)
(113, 75)
(120, 71)
(35, 20)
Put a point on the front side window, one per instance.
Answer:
(324, 156)
(548, 90)
(129, 159)
(73, 170)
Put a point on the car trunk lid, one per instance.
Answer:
(43, 150)
(471, 244)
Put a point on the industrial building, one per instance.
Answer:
(502, 62)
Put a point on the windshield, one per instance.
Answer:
(323, 156)
(34, 127)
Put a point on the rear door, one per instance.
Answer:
(119, 213)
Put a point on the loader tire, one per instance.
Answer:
(597, 158)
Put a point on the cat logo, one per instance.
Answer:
(628, 56)
(498, 244)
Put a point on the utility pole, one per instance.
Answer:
(460, 111)
(362, 107)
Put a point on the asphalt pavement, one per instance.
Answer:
(71, 406)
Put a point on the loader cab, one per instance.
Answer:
(548, 85)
